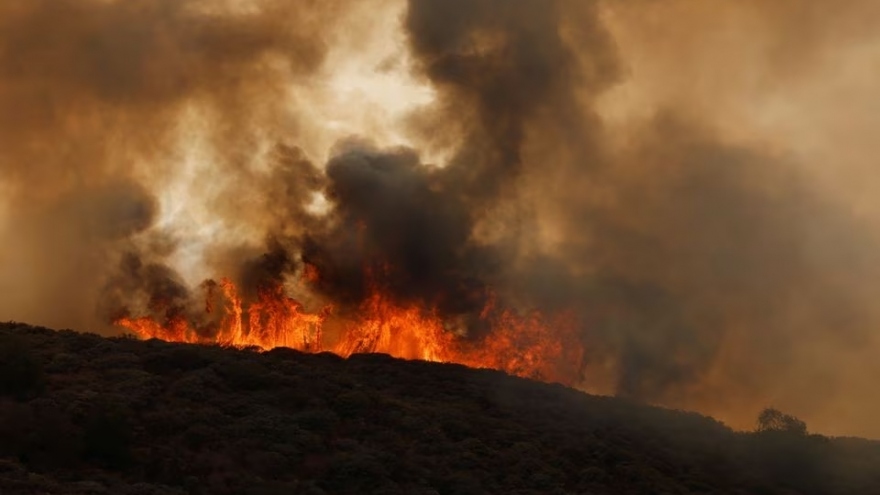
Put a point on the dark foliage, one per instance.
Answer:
(21, 374)
(107, 436)
(773, 420)
(119, 416)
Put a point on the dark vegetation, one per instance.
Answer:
(81, 414)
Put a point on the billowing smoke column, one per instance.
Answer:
(524, 224)
(497, 69)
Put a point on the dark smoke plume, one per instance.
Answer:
(600, 160)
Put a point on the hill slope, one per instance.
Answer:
(81, 414)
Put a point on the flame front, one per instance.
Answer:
(526, 344)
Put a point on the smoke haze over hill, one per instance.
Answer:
(689, 187)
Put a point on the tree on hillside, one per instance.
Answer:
(772, 419)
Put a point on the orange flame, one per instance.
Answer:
(528, 344)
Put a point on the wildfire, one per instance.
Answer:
(526, 344)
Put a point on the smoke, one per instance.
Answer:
(394, 215)
(742, 190)
(675, 174)
(93, 95)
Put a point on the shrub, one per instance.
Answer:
(108, 436)
(244, 374)
(173, 360)
(352, 404)
(21, 373)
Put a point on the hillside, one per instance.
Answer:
(82, 414)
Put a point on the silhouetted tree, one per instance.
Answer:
(772, 419)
